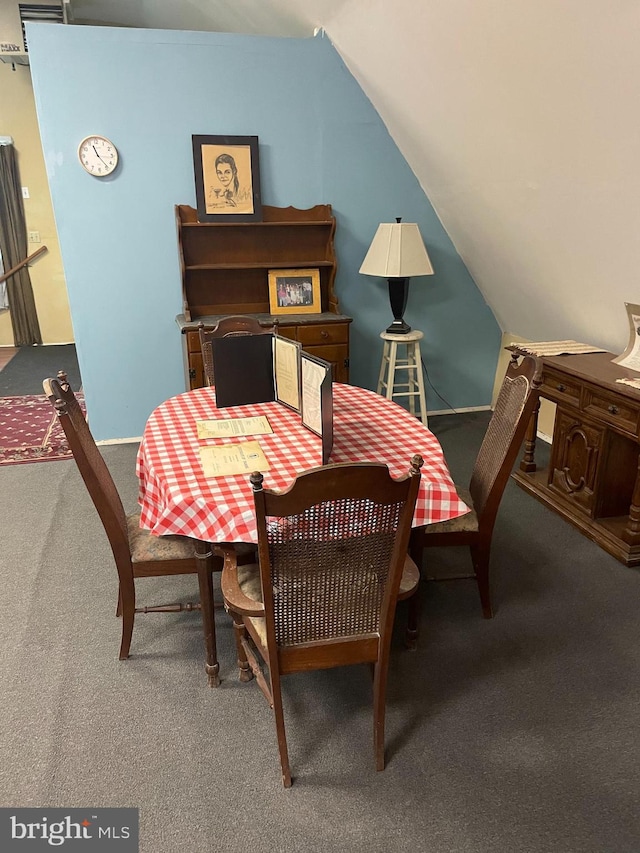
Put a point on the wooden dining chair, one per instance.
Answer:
(503, 438)
(332, 564)
(137, 553)
(231, 326)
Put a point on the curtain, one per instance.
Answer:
(3, 289)
(13, 247)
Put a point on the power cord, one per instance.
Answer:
(431, 385)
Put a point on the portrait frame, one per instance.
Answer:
(227, 191)
(294, 291)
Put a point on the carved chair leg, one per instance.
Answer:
(244, 670)
(276, 694)
(413, 621)
(204, 561)
(480, 560)
(119, 604)
(127, 601)
(379, 707)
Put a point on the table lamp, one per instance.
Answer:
(396, 253)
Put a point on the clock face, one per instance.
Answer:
(98, 155)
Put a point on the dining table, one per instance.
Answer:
(176, 497)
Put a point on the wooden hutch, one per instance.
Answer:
(225, 270)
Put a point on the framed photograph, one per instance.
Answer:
(294, 291)
(227, 176)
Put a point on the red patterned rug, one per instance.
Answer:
(30, 432)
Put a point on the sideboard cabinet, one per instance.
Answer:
(225, 270)
(593, 476)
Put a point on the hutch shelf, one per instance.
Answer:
(225, 270)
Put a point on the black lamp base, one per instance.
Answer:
(398, 327)
(398, 293)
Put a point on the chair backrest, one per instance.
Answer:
(232, 326)
(516, 402)
(332, 550)
(91, 464)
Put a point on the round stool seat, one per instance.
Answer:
(413, 335)
(402, 376)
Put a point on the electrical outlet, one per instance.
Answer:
(25, 192)
(34, 236)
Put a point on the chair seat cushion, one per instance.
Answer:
(147, 548)
(467, 523)
(249, 581)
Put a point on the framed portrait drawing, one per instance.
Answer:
(294, 291)
(227, 174)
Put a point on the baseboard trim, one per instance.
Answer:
(135, 440)
(459, 411)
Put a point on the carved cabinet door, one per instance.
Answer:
(577, 449)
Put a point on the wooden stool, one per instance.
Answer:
(413, 380)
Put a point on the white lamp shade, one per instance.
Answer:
(397, 251)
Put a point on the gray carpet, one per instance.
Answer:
(515, 734)
(30, 365)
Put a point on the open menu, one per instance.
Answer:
(253, 369)
(256, 369)
(317, 400)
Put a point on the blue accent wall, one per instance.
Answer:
(321, 141)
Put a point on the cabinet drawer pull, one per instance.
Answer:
(562, 388)
(324, 334)
(613, 409)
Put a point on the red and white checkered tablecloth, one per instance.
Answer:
(175, 496)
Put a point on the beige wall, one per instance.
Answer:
(547, 408)
(520, 121)
(18, 120)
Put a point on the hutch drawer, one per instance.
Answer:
(336, 333)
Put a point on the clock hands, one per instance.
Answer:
(97, 155)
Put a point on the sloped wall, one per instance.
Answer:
(321, 141)
(520, 119)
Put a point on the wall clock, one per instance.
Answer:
(98, 155)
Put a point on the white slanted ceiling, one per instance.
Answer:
(520, 118)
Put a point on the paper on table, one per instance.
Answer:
(233, 459)
(234, 426)
(549, 348)
(632, 383)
